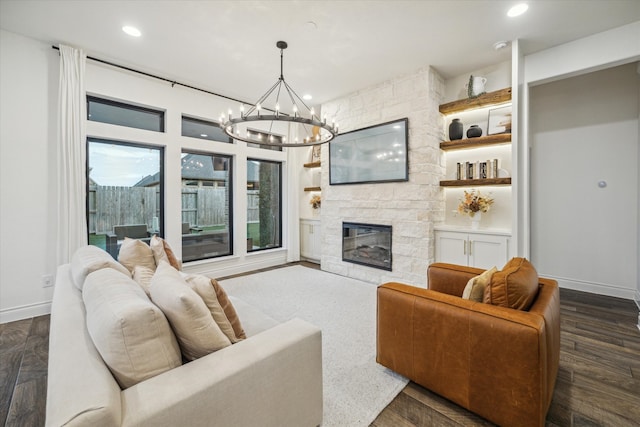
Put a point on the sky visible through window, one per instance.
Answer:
(121, 165)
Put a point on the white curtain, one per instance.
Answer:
(71, 157)
(293, 209)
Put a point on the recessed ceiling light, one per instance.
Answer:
(500, 45)
(307, 97)
(132, 31)
(518, 10)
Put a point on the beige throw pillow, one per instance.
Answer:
(136, 252)
(130, 333)
(204, 288)
(142, 276)
(91, 258)
(162, 252)
(197, 332)
(474, 290)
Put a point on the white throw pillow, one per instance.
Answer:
(131, 334)
(91, 258)
(197, 332)
(202, 286)
(136, 252)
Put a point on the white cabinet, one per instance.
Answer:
(310, 239)
(473, 249)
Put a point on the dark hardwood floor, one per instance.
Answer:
(598, 383)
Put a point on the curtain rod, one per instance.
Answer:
(173, 82)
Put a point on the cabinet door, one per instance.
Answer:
(310, 240)
(451, 247)
(486, 251)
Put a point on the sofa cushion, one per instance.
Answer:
(197, 332)
(474, 290)
(515, 286)
(88, 259)
(131, 334)
(162, 252)
(204, 287)
(136, 252)
(142, 276)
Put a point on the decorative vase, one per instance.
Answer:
(475, 220)
(475, 87)
(474, 131)
(455, 130)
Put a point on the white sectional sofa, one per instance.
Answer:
(272, 378)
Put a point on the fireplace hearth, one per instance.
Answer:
(367, 244)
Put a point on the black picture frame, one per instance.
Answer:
(374, 154)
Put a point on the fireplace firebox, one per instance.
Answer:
(367, 244)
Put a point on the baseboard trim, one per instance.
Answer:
(238, 265)
(593, 287)
(25, 312)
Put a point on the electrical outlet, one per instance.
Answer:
(47, 280)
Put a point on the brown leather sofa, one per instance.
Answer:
(497, 362)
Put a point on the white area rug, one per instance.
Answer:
(356, 388)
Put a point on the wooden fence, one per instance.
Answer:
(201, 206)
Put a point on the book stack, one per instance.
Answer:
(477, 170)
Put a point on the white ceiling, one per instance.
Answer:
(335, 47)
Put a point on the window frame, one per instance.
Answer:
(280, 197)
(126, 106)
(161, 176)
(203, 122)
(231, 187)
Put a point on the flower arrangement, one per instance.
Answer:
(315, 201)
(473, 202)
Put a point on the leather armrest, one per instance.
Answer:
(450, 278)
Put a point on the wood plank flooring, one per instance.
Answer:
(598, 383)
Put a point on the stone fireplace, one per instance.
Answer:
(367, 244)
(411, 207)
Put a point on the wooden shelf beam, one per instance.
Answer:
(312, 189)
(484, 100)
(312, 164)
(458, 144)
(475, 182)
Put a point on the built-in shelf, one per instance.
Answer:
(312, 189)
(475, 182)
(498, 97)
(459, 144)
(312, 164)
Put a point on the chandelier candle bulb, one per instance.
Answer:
(242, 111)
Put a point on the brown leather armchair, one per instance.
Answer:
(497, 362)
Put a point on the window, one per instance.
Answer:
(197, 128)
(206, 206)
(264, 136)
(264, 195)
(119, 113)
(125, 188)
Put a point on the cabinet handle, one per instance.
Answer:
(464, 246)
(470, 244)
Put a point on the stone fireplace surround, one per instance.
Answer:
(411, 207)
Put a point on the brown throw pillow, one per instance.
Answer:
(515, 286)
(162, 252)
(230, 312)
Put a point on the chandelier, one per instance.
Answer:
(311, 130)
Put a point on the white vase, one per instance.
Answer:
(475, 220)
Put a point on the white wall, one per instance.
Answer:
(596, 52)
(498, 77)
(584, 130)
(29, 88)
(29, 78)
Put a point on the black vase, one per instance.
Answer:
(474, 131)
(455, 129)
